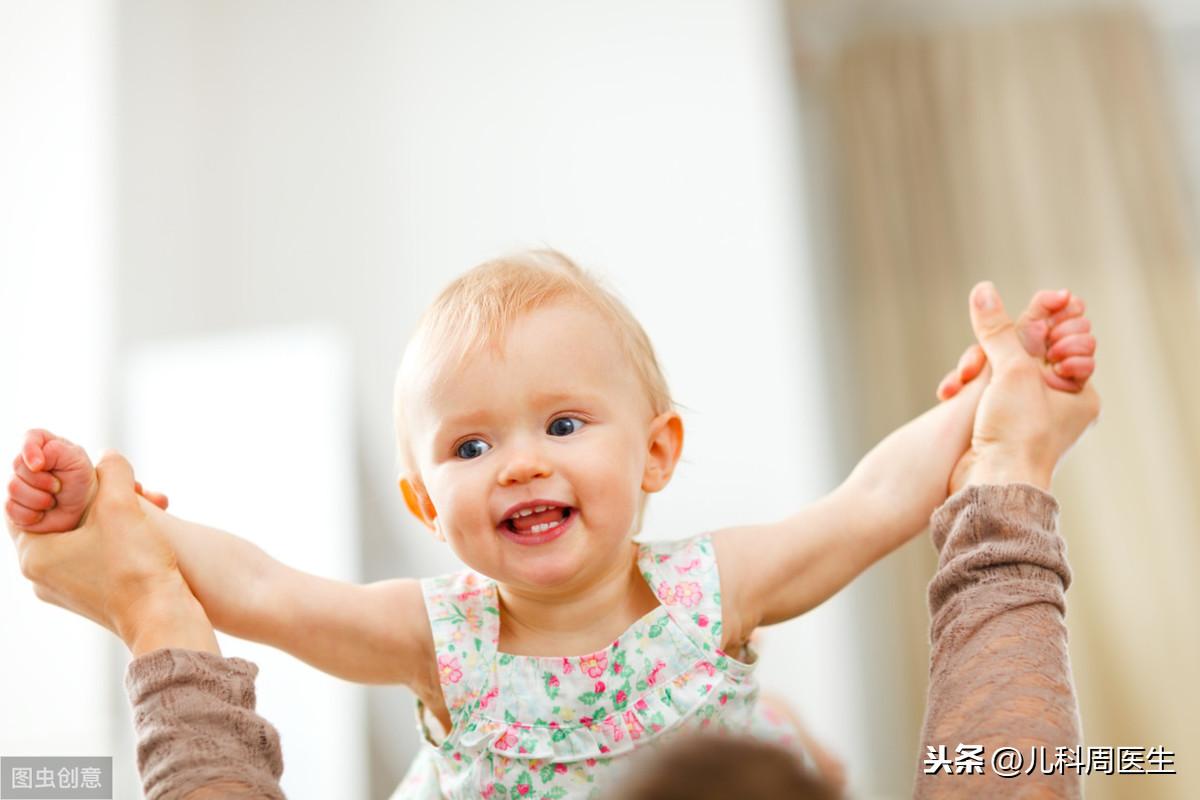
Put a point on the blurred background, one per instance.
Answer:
(219, 222)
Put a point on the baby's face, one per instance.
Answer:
(559, 420)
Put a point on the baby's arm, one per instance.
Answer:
(376, 633)
(798, 563)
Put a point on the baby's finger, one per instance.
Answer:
(1080, 344)
(38, 480)
(31, 498)
(31, 449)
(1049, 300)
(22, 516)
(1074, 308)
(1069, 327)
(1078, 368)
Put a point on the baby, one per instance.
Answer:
(533, 423)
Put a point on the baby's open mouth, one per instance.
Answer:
(537, 519)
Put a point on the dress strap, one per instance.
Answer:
(683, 574)
(465, 619)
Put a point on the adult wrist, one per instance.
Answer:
(1000, 470)
(169, 618)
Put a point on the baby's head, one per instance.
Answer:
(533, 420)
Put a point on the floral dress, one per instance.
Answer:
(551, 727)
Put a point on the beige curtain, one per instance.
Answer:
(1035, 153)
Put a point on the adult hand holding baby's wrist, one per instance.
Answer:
(1022, 429)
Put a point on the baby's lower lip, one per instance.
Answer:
(539, 538)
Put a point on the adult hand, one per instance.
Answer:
(1022, 427)
(117, 569)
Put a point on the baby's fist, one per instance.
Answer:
(53, 482)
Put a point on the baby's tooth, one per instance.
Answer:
(540, 509)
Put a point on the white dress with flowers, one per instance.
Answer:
(550, 727)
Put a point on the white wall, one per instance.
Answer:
(56, 685)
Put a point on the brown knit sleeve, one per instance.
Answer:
(999, 673)
(198, 736)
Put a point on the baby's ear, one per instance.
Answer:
(418, 502)
(665, 446)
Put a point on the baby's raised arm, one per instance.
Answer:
(378, 633)
(796, 564)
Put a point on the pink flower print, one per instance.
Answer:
(599, 687)
(665, 593)
(449, 669)
(702, 620)
(640, 705)
(591, 762)
(566, 666)
(706, 667)
(722, 698)
(594, 665)
(552, 681)
(635, 725)
(488, 792)
(621, 696)
(688, 567)
(614, 730)
(560, 768)
(487, 698)
(686, 594)
(523, 789)
(652, 678)
(604, 748)
(507, 741)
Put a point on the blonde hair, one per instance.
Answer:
(477, 309)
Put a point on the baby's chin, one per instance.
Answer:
(565, 564)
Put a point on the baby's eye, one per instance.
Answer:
(472, 448)
(565, 426)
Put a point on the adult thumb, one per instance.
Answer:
(993, 327)
(114, 472)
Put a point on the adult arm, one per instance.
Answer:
(1000, 675)
(199, 737)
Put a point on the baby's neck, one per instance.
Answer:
(577, 624)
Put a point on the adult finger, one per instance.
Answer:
(114, 473)
(994, 329)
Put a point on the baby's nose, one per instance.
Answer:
(524, 467)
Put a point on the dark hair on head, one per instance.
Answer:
(711, 767)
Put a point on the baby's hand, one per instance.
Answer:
(53, 484)
(1053, 329)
